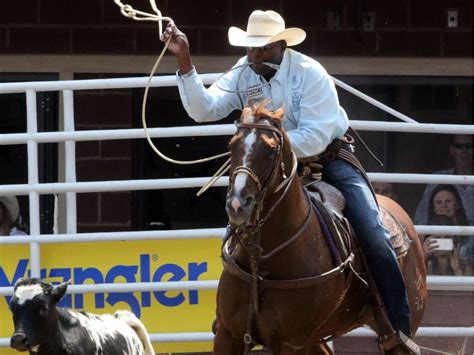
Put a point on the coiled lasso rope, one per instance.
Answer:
(130, 12)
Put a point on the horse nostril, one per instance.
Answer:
(18, 340)
(235, 204)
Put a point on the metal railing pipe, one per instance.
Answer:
(464, 283)
(109, 186)
(202, 233)
(70, 161)
(422, 178)
(213, 130)
(180, 234)
(32, 148)
(116, 134)
(152, 184)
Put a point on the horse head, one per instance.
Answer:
(261, 161)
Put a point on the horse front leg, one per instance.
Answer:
(224, 342)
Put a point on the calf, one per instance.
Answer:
(43, 328)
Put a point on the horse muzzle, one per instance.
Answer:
(19, 342)
(240, 210)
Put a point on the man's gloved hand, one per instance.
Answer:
(310, 168)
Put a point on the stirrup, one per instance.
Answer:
(389, 342)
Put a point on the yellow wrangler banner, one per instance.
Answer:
(118, 262)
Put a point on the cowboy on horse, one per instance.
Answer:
(315, 124)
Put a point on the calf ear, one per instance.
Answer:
(18, 281)
(60, 290)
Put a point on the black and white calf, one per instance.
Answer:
(43, 328)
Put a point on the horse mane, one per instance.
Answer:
(260, 111)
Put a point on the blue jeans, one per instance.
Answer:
(362, 212)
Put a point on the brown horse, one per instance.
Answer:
(280, 287)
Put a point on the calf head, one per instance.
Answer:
(33, 307)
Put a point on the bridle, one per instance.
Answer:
(262, 184)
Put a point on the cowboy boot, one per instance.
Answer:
(397, 344)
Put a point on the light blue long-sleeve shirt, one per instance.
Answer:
(313, 116)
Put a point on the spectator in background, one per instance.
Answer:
(386, 189)
(445, 201)
(460, 150)
(9, 215)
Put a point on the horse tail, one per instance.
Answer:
(133, 322)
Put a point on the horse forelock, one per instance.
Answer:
(259, 112)
(262, 113)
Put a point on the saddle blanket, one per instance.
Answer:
(330, 202)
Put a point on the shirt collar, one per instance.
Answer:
(281, 73)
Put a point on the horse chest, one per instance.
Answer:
(282, 314)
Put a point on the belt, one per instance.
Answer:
(333, 149)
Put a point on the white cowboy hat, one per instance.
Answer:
(265, 27)
(11, 204)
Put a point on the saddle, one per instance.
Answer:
(330, 202)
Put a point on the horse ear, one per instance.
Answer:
(60, 290)
(247, 111)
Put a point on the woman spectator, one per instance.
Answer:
(445, 208)
(9, 215)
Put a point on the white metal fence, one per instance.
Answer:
(70, 187)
